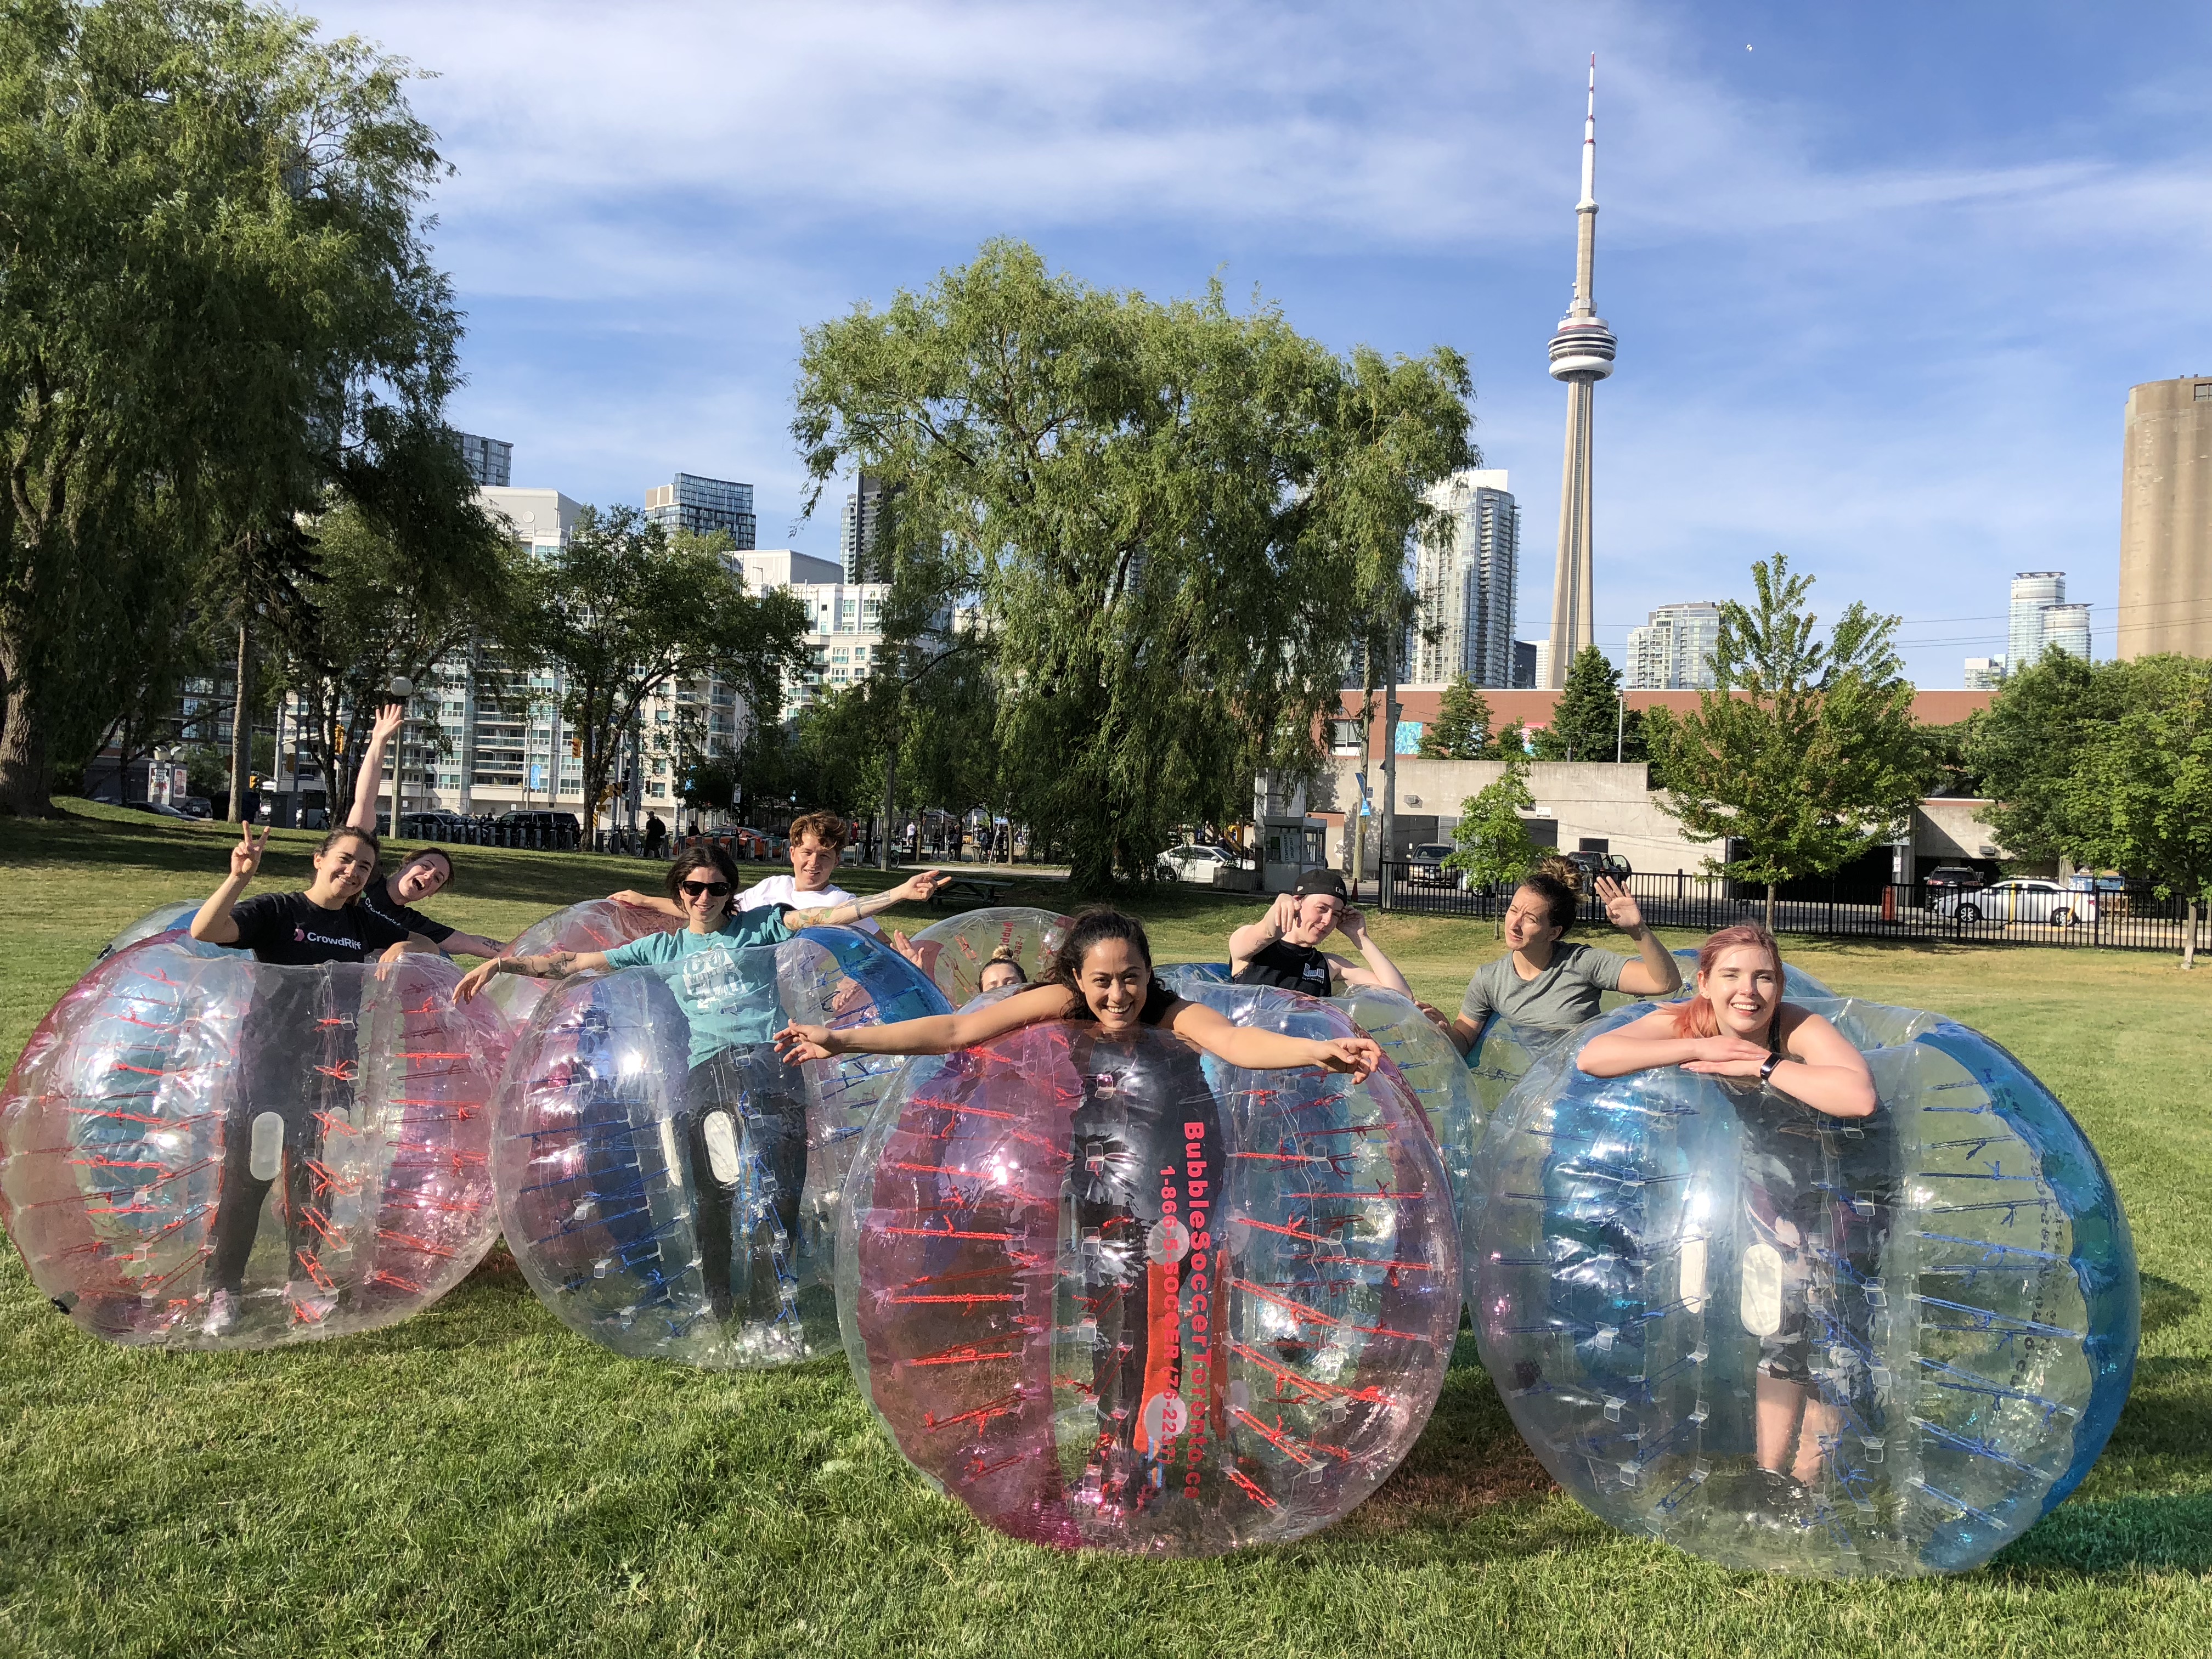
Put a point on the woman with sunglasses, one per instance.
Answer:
(393, 898)
(736, 1075)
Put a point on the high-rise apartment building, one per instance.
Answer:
(2165, 518)
(490, 461)
(863, 518)
(1539, 665)
(2067, 627)
(1465, 580)
(2031, 590)
(1524, 665)
(1674, 650)
(703, 505)
(1984, 673)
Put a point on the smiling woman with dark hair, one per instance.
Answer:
(420, 874)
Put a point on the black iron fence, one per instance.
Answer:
(2029, 912)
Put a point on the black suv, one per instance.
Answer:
(1955, 877)
(1589, 866)
(555, 829)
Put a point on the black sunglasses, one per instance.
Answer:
(713, 888)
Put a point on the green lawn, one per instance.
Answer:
(478, 1482)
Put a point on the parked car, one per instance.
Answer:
(424, 824)
(1955, 877)
(157, 809)
(1194, 863)
(2032, 901)
(1426, 865)
(197, 806)
(1589, 866)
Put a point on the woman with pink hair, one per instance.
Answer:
(1734, 1026)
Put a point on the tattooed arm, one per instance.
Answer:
(560, 964)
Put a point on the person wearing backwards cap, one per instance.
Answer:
(1279, 949)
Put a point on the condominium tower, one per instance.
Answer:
(2165, 518)
(1465, 578)
(703, 505)
(1674, 650)
(489, 461)
(863, 519)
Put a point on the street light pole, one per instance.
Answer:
(1619, 724)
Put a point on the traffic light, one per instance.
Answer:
(575, 749)
(342, 738)
(253, 780)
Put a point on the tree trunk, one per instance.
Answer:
(23, 784)
(890, 806)
(1770, 906)
(1388, 826)
(2189, 940)
(241, 726)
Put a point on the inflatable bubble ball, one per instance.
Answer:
(1783, 1340)
(594, 925)
(1432, 1067)
(953, 952)
(669, 1186)
(169, 920)
(1109, 1294)
(215, 1152)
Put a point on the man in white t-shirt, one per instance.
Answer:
(818, 842)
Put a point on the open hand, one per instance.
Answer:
(474, 980)
(245, 857)
(797, 1044)
(1358, 1056)
(1282, 914)
(1621, 907)
(389, 718)
(918, 888)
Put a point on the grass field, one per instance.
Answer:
(478, 1481)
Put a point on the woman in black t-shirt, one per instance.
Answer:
(297, 1055)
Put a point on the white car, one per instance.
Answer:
(1191, 862)
(2027, 900)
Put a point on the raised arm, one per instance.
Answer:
(914, 889)
(371, 777)
(1255, 937)
(1271, 1051)
(1380, 969)
(1655, 972)
(933, 1034)
(557, 965)
(214, 924)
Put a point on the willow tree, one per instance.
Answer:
(216, 283)
(1168, 521)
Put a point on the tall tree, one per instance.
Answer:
(1586, 720)
(2028, 748)
(1493, 845)
(388, 601)
(624, 608)
(216, 277)
(1462, 728)
(1803, 754)
(1170, 520)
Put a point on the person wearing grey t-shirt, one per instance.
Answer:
(1546, 984)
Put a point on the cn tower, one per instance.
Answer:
(1582, 356)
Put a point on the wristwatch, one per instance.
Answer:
(1766, 1071)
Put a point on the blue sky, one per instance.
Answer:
(1882, 273)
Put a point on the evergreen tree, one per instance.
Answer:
(1584, 720)
(1804, 754)
(1462, 728)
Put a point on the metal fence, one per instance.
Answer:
(2134, 919)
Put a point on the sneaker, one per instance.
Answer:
(221, 1314)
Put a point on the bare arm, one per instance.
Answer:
(1255, 937)
(1645, 1044)
(1818, 1066)
(371, 777)
(214, 924)
(1380, 969)
(1271, 1051)
(1655, 972)
(471, 945)
(558, 964)
(915, 889)
(934, 1034)
(667, 907)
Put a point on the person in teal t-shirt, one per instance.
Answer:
(726, 989)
